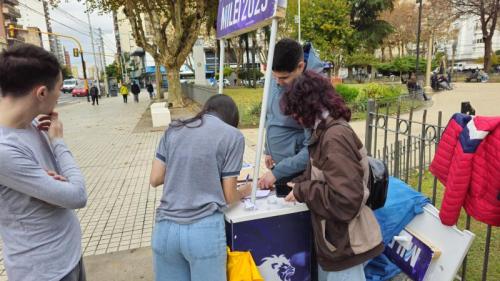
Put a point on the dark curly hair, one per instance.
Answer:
(309, 96)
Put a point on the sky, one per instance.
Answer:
(70, 18)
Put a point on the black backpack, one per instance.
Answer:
(378, 183)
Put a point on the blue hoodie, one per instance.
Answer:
(286, 140)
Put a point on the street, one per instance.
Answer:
(67, 99)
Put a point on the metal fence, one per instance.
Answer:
(407, 144)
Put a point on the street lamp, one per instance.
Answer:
(418, 37)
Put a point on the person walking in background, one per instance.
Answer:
(94, 94)
(334, 185)
(40, 182)
(124, 92)
(199, 170)
(150, 89)
(135, 91)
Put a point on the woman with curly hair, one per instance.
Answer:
(334, 185)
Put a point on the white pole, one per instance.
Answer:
(96, 62)
(267, 89)
(300, 38)
(221, 66)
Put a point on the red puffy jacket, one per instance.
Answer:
(467, 162)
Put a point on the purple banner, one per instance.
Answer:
(413, 261)
(241, 15)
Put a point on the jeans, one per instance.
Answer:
(136, 97)
(355, 273)
(196, 251)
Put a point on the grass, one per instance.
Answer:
(476, 253)
(249, 103)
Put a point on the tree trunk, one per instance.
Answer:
(247, 68)
(174, 86)
(254, 71)
(429, 64)
(159, 80)
(487, 53)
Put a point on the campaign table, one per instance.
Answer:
(277, 233)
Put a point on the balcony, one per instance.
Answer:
(10, 11)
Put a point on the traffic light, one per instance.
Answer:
(12, 30)
(76, 52)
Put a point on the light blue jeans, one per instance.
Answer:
(196, 251)
(355, 273)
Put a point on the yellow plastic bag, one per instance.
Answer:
(241, 267)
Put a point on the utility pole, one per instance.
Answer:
(96, 62)
(417, 65)
(103, 63)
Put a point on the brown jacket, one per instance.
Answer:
(334, 187)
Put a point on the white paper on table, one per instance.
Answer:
(261, 193)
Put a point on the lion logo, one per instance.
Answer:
(276, 268)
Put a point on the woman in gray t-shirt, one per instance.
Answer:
(198, 161)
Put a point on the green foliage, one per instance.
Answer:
(328, 27)
(66, 71)
(113, 71)
(227, 72)
(245, 74)
(497, 52)
(378, 92)
(404, 65)
(361, 60)
(365, 19)
(348, 93)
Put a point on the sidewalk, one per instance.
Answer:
(115, 158)
(116, 161)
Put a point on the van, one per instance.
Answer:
(69, 85)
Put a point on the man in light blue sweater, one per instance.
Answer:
(40, 183)
(286, 153)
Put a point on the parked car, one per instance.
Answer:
(79, 91)
(69, 85)
(226, 82)
(458, 67)
(261, 81)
